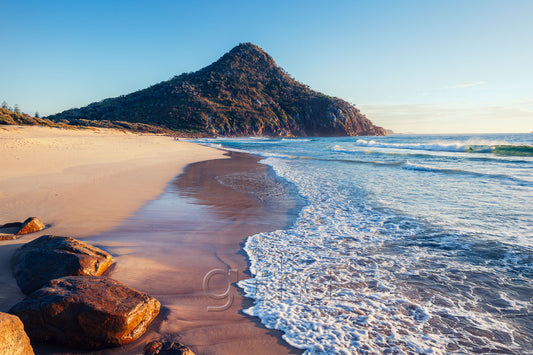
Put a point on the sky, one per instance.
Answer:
(410, 66)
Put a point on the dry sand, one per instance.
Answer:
(81, 182)
(93, 183)
(85, 181)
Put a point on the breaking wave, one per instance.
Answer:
(498, 148)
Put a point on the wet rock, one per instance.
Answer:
(13, 339)
(86, 312)
(159, 347)
(31, 225)
(50, 257)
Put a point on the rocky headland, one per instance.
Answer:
(244, 93)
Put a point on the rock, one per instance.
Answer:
(50, 257)
(8, 230)
(86, 312)
(13, 339)
(8, 236)
(32, 224)
(158, 347)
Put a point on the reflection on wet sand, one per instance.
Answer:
(198, 225)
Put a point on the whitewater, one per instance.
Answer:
(406, 244)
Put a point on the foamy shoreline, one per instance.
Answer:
(86, 183)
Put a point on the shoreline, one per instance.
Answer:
(66, 177)
(237, 206)
(80, 182)
(197, 226)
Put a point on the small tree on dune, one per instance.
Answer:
(37, 115)
(4, 105)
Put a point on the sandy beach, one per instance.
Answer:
(196, 228)
(84, 181)
(97, 185)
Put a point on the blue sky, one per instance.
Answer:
(411, 66)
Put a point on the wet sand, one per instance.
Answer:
(197, 227)
(80, 182)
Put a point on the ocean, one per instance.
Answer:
(407, 244)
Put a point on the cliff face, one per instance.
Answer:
(243, 93)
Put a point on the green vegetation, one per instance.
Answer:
(17, 118)
(8, 117)
(243, 93)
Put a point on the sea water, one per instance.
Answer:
(407, 244)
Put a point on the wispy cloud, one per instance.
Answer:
(466, 85)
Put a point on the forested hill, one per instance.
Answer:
(243, 93)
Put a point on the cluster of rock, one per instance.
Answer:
(166, 348)
(17, 229)
(69, 302)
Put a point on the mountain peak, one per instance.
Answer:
(248, 48)
(247, 55)
(243, 93)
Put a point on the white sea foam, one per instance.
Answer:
(477, 145)
(347, 279)
(407, 245)
(214, 145)
(295, 140)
